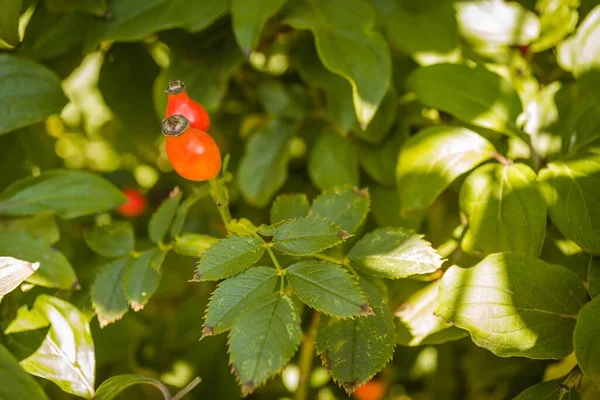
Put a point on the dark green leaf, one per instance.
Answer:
(284, 101)
(328, 288)
(108, 294)
(54, 271)
(382, 121)
(141, 277)
(394, 253)
(505, 210)
(514, 305)
(354, 350)
(234, 294)
(18, 384)
(348, 46)
(249, 17)
(263, 168)
(586, 340)
(113, 240)
(289, 206)
(182, 211)
(572, 194)
(112, 387)
(229, 256)
(307, 235)
(474, 95)
(163, 217)
(594, 278)
(29, 93)
(193, 244)
(333, 161)
(346, 207)
(550, 390)
(434, 158)
(385, 209)
(9, 21)
(13, 272)
(263, 339)
(380, 162)
(66, 193)
(67, 355)
(95, 7)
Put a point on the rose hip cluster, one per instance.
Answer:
(192, 152)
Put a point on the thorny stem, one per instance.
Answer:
(219, 194)
(188, 388)
(306, 358)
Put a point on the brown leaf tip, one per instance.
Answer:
(403, 309)
(174, 192)
(135, 306)
(362, 193)
(75, 285)
(235, 371)
(350, 387)
(207, 331)
(343, 235)
(197, 277)
(365, 309)
(326, 361)
(247, 388)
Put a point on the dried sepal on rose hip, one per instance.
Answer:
(180, 103)
(193, 153)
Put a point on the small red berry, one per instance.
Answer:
(193, 153)
(373, 390)
(524, 49)
(136, 204)
(178, 102)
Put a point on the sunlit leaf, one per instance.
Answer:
(229, 256)
(307, 235)
(193, 244)
(13, 272)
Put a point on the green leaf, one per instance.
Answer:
(29, 93)
(108, 294)
(263, 339)
(113, 386)
(348, 46)
(193, 244)
(380, 162)
(382, 121)
(182, 211)
(586, 340)
(571, 190)
(94, 7)
(557, 20)
(594, 279)
(229, 257)
(289, 206)
(328, 288)
(550, 390)
(432, 159)
(66, 357)
(141, 277)
(13, 272)
(418, 325)
(386, 209)
(112, 240)
(17, 384)
(233, 295)
(394, 253)
(474, 95)
(346, 207)
(66, 193)
(496, 23)
(514, 305)
(263, 168)
(163, 217)
(505, 210)
(354, 350)
(9, 21)
(307, 235)
(249, 18)
(55, 271)
(41, 226)
(333, 161)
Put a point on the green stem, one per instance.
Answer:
(188, 388)
(340, 261)
(273, 258)
(306, 358)
(220, 196)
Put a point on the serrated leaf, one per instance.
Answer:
(354, 350)
(29, 93)
(594, 278)
(505, 210)
(249, 17)
(111, 240)
(193, 244)
(419, 325)
(307, 235)
(289, 206)
(113, 386)
(67, 355)
(55, 270)
(263, 339)
(345, 40)
(108, 294)
(514, 305)
(141, 277)
(9, 21)
(13, 272)
(163, 217)
(346, 207)
(66, 193)
(434, 158)
(586, 340)
(394, 253)
(229, 256)
(16, 382)
(550, 390)
(328, 288)
(333, 161)
(263, 168)
(234, 294)
(571, 190)
(474, 95)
